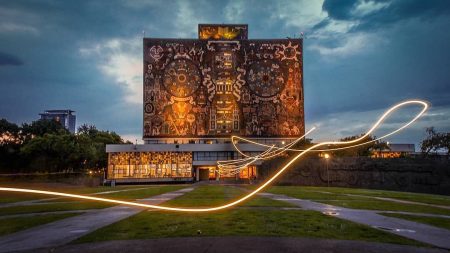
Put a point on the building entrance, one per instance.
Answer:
(207, 173)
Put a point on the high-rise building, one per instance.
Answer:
(65, 117)
(200, 92)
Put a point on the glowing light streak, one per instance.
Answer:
(242, 163)
(265, 184)
(392, 109)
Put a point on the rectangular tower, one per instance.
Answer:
(223, 84)
(200, 92)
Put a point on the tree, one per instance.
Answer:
(94, 143)
(432, 142)
(9, 146)
(40, 128)
(362, 150)
(52, 152)
(45, 145)
(445, 142)
(87, 129)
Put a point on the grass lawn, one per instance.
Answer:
(214, 195)
(356, 202)
(12, 197)
(433, 221)
(74, 204)
(409, 196)
(53, 207)
(132, 193)
(11, 225)
(250, 218)
(237, 221)
(241, 222)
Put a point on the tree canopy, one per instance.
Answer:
(361, 150)
(46, 146)
(435, 141)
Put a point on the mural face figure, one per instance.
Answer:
(265, 78)
(181, 78)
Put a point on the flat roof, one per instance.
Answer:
(221, 147)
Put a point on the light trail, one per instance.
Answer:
(392, 109)
(236, 165)
(265, 184)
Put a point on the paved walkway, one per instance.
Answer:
(438, 237)
(240, 244)
(64, 231)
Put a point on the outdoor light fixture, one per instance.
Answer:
(270, 152)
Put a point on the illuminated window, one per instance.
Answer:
(149, 165)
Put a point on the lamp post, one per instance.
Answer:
(327, 157)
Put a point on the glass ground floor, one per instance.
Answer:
(172, 166)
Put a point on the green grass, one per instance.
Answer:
(409, 196)
(237, 221)
(240, 222)
(215, 195)
(266, 202)
(206, 196)
(53, 207)
(132, 194)
(11, 225)
(355, 202)
(433, 221)
(74, 204)
(12, 197)
(142, 193)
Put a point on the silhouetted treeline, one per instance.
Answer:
(46, 146)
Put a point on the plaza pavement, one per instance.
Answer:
(239, 244)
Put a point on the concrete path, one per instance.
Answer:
(438, 237)
(238, 245)
(64, 231)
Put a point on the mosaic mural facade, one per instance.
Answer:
(218, 88)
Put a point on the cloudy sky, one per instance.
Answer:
(360, 57)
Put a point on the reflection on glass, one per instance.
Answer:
(149, 165)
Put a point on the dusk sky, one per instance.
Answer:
(360, 57)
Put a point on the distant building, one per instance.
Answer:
(65, 117)
(395, 151)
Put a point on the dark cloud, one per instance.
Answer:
(413, 61)
(339, 9)
(394, 11)
(9, 59)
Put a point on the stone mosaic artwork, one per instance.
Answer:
(218, 88)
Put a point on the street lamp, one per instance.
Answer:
(327, 157)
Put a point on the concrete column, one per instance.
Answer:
(197, 174)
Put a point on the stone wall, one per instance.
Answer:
(401, 174)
